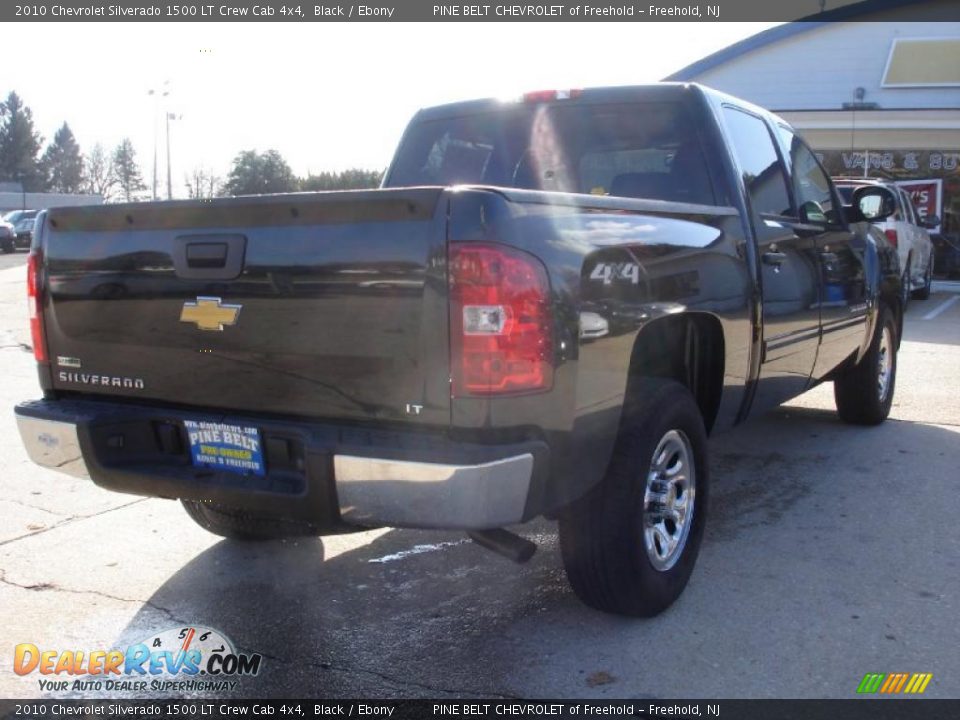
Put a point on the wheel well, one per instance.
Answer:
(687, 348)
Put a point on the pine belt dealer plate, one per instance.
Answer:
(223, 446)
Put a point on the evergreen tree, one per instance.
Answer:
(63, 163)
(20, 145)
(127, 172)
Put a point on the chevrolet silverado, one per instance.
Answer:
(543, 311)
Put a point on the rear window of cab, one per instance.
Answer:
(648, 150)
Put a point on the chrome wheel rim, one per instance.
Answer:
(884, 364)
(668, 502)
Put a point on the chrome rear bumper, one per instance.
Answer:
(403, 493)
(357, 489)
(53, 444)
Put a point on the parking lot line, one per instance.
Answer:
(941, 307)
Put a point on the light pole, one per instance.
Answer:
(170, 116)
(157, 94)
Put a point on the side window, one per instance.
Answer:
(757, 156)
(811, 186)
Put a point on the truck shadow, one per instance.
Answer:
(429, 614)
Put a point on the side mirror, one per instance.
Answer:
(812, 214)
(874, 203)
(930, 222)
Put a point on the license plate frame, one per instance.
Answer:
(225, 446)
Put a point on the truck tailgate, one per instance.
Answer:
(317, 305)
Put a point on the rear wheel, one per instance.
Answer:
(629, 545)
(8, 246)
(864, 393)
(924, 292)
(242, 525)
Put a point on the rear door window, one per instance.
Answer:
(759, 163)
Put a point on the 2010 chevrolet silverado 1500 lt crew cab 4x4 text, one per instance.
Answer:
(543, 312)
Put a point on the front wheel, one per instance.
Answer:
(630, 544)
(864, 392)
(8, 247)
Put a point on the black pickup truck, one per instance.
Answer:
(544, 311)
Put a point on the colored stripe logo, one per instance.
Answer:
(895, 683)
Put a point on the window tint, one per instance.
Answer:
(647, 150)
(759, 163)
(811, 186)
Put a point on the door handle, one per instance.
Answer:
(209, 256)
(206, 255)
(772, 257)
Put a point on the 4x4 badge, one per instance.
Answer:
(209, 313)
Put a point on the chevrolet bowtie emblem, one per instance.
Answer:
(209, 313)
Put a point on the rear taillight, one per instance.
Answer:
(891, 236)
(35, 302)
(500, 337)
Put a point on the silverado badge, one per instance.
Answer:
(209, 313)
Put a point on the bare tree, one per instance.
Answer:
(100, 174)
(202, 183)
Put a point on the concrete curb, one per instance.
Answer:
(950, 286)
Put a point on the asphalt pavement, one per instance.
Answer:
(831, 551)
(15, 259)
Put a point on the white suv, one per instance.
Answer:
(897, 217)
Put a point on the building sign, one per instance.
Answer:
(927, 197)
(896, 163)
(932, 177)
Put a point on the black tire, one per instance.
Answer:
(924, 292)
(242, 525)
(860, 398)
(603, 535)
(8, 247)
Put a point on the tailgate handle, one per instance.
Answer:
(212, 256)
(206, 255)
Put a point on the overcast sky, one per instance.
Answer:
(327, 96)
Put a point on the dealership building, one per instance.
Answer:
(875, 94)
